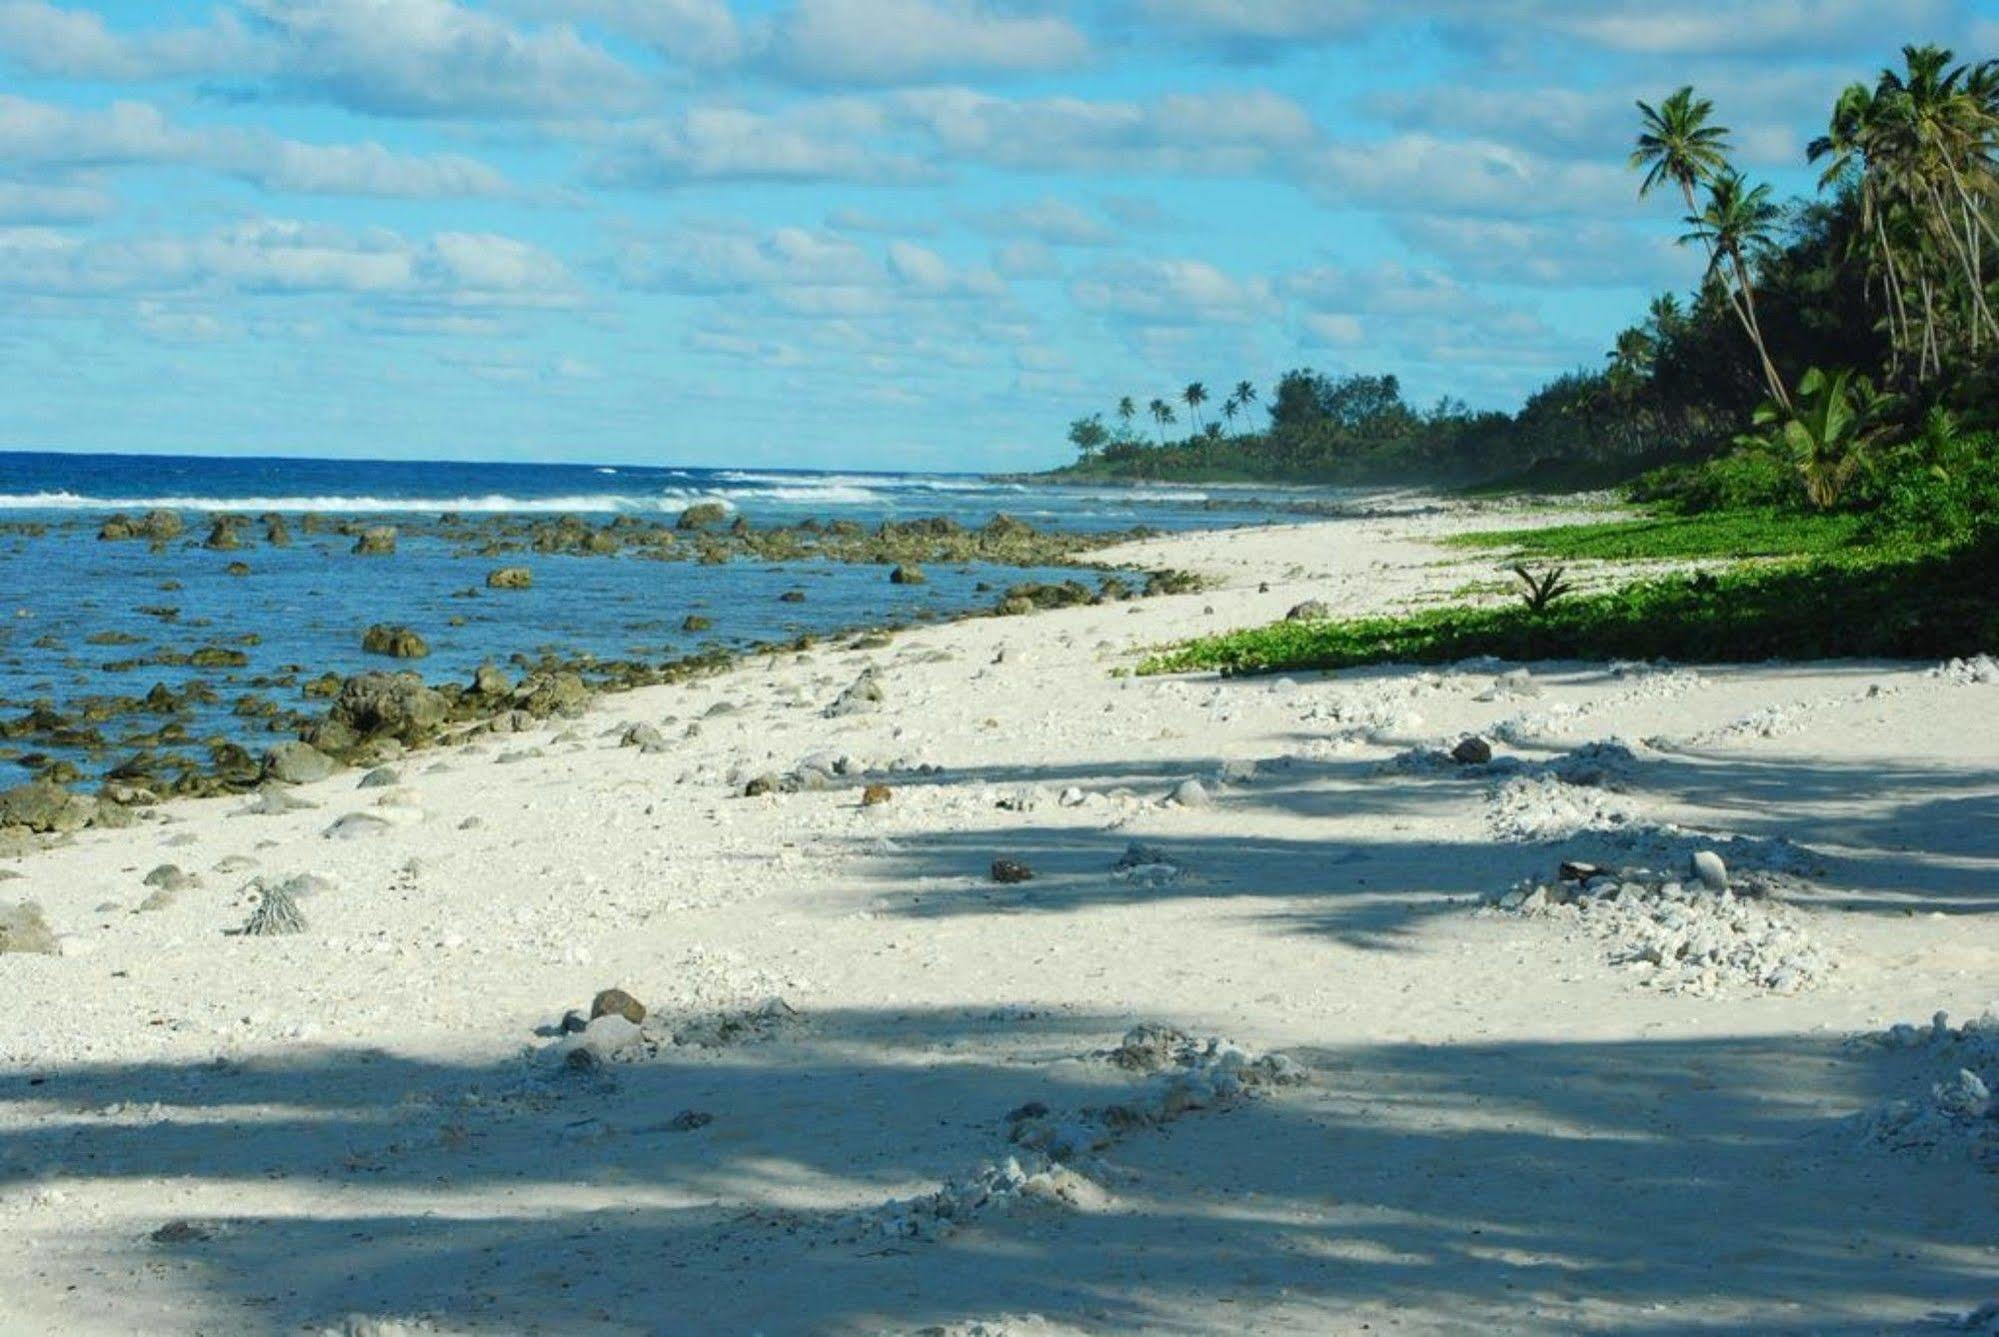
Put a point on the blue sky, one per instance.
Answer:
(838, 233)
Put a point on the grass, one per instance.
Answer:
(1717, 534)
(1929, 604)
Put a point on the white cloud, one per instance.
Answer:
(69, 201)
(702, 32)
(75, 43)
(1052, 221)
(1408, 317)
(391, 57)
(1566, 255)
(1725, 28)
(137, 134)
(284, 256)
(734, 144)
(1192, 133)
(1026, 260)
(1422, 173)
(1173, 293)
(909, 41)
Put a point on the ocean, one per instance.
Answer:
(88, 620)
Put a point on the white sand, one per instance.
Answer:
(1502, 1129)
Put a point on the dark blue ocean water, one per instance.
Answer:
(308, 604)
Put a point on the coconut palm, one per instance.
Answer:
(1245, 393)
(1739, 221)
(1193, 397)
(1126, 411)
(1677, 144)
(1162, 414)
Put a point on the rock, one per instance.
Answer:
(382, 777)
(688, 1120)
(694, 622)
(792, 597)
(875, 795)
(1189, 794)
(643, 736)
(861, 696)
(276, 913)
(1312, 610)
(1574, 871)
(182, 1232)
(397, 705)
(379, 541)
(618, 1002)
(701, 515)
(159, 899)
(492, 680)
(761, 785)
(169, 877)
(272, 801)
(45, 807)
(1140, 855)
(1707, 866)
(509, 578)
(544, 695)
(297, 763)
(1010, 871)
(358, 826)
(1472, 751)
(275, 532)
(223, 535)
(908, 574)
(22, 929)
(397, 642)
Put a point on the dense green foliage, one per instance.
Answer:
(1721, 534)
(1912, 605)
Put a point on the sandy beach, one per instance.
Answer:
(877, 1088)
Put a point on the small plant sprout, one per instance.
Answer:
(1543, 587)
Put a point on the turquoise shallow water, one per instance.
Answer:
(306, 606)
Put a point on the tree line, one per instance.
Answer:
(1823, 331)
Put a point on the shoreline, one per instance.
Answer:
(1488, 1097)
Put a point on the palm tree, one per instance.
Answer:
(1677, 144)
(1245, 393)
(1126, 411)
(1739, 219)
(1829, 433)
(1230, 407)
(1194, 396)
(1162, 413)
(1921, 150)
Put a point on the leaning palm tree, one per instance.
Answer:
(1230, 407)
(1739, 221)
(1162, 413)
(1193, 397)
(1245, 393)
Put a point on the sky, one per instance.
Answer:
(887, 234)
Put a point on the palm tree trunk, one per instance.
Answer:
(1777, 390)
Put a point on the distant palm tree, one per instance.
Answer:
(1230, 407)
(1245, 393)
(1676, 144)
(1740, 219)
(1162, 413)
(1194, 396)
(1126, 411)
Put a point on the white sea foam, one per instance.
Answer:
(494, 502)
